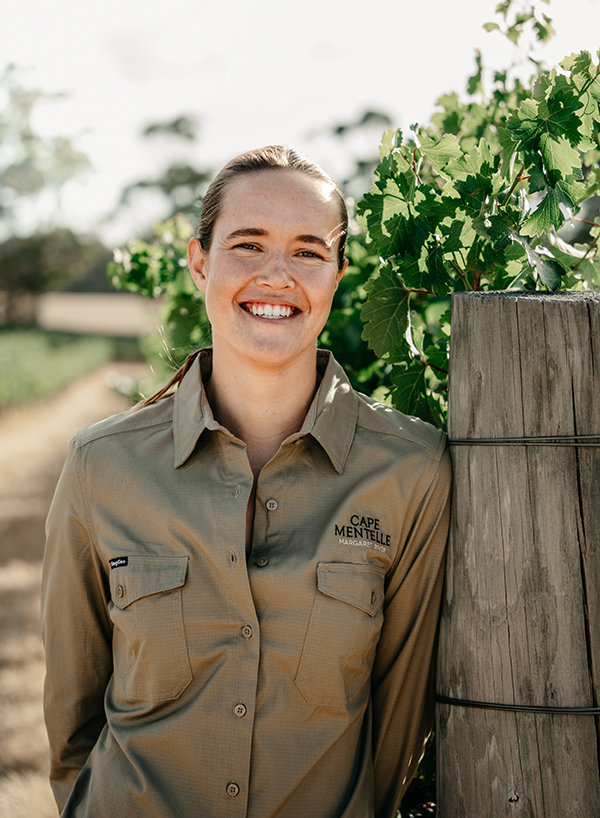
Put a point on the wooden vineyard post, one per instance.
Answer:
(521, 613)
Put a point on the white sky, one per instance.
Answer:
(253, 73)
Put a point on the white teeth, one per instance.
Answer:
(271, 310)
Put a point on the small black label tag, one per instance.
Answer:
(118, 562)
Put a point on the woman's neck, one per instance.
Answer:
(261, 405)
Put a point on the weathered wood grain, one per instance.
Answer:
(521, 613)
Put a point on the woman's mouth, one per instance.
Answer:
(272, 311)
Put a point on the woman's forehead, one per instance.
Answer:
(281, 192)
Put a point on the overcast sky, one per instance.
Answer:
(252, 73)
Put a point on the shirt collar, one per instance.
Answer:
(191, 410)
(331, 418)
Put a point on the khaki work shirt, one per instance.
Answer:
(186, 680)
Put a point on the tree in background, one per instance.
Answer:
(180, 184)
(35, 255)
(43, 262)
(30, 164)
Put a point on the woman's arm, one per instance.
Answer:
(77, 633)
(402, 680)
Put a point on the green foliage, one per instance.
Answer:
(448, 211)
(35, 364)
(342, 334)
(158, 269)
(46, 261)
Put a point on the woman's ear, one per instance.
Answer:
(341, 272)
(196, 262)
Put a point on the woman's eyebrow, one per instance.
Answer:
(306, 238)
(247, 231)
(309, 239)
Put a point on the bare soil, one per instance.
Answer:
(33, 446)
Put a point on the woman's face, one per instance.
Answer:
(271, 271)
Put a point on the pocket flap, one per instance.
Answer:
(358, 585)
(143, 576)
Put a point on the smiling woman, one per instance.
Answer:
(243, 574)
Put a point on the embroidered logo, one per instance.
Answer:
(118, 561)
(363, 531)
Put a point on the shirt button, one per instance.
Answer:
(240, 710)
(262, 561)
(120, 591)
(271, 504)
(232, 789)
(246, 631)
(373, 597)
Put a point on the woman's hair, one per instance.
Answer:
(272, 157)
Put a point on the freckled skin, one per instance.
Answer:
(292, 262)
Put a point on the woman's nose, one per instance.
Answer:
(275, 273)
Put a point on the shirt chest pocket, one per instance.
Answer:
(149, 646)
(342, 635)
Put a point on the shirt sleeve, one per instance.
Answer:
(403, 674)
(76, 630)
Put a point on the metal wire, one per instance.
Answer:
(556, 440)
(520, 708)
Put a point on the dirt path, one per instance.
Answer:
(33, 446)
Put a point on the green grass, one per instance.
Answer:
(35, 364)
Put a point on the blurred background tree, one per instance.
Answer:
(180, 184)
(35, 253)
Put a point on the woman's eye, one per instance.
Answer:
(246, 245)
(309, 254)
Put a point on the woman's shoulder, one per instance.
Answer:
(379, 418)
(134, 420)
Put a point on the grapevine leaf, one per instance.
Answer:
(438, 274)
(478, 161)
(560, 106)
(409, 387)
(547, 216)
(439, 153)
(413, 272)
(388, 165)
(507, 275)
(496, 228)
(524, 123)
(387, 143)
(384, 213)
(548, 268)
(509, 151)
(437, 359)
(475, 191)
(537, 177)
(385, 313)
(583, 73)
(550, 272)
(545, 31)
(458, 234)
(560, 159)
(475, 84)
